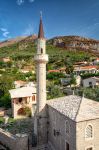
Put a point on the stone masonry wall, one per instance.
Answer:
(83, 143)
(13, 142)
(57, 122)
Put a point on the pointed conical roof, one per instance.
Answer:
(41, 31)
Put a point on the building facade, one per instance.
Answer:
(22, 100)
(90, 82)
(73, 123)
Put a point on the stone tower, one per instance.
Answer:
(41, 59)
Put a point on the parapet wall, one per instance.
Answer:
(13, 142)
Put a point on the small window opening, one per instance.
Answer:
(41, 50)
(20, 100)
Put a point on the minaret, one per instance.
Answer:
(41, 59)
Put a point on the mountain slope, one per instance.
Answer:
(75, 42)
(23, 39)
(25, 47)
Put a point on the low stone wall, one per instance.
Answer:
(18, 142)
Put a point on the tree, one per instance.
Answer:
(69, 65)
(54, 91)
(5, 100)
(73, 80)
(27, 111)
(5, 84)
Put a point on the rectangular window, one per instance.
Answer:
(67, 146)
(20, 100)
(90, 84)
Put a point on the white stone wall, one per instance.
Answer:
(16, 107)
(41, 44)
(86, 82)
(81, 142)
(41, 86)
(78, 81)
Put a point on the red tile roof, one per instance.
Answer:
(88, 67)
(53, 71)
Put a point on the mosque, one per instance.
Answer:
(66, 123)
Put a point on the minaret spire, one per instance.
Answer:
(41, 31)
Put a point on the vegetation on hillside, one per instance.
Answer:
(21, 56)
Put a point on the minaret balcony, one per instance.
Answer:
(41, 58)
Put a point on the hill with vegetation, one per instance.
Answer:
(20, 53)
(22, 47)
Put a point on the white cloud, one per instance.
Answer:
(97, 23)
(3, 29)
(31, 1)
(6, 33)
(20, 2)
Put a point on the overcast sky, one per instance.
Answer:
(60, 17)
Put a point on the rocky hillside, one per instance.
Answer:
(22, 40)
(75, 42)
(23, 45)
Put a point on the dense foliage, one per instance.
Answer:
(91, 93)
(87, 75)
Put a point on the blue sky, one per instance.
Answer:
(60, 17)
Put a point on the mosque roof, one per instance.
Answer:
(75, 107)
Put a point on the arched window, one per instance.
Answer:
(89, 132)
(21, 111)
(67, 126)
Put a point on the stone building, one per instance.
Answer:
(66, 123)
(91, 82)
(73, 123)
(23, 98)
(85, 69)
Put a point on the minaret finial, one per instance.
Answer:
(40, 14)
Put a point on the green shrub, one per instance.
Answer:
(2, 120)
(11, 120)
(27, 111)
